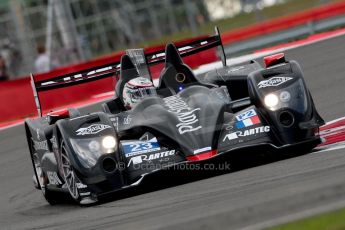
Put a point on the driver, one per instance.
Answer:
(137, 89)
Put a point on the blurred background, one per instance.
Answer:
(41, 35)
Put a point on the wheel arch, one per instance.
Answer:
(29, 135)
(62, 136)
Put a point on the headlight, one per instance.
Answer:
(89, 150)
(285, 96)
(271, 100)
(109, 143)
(94, 146)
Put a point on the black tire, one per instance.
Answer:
(52, 197)
(68, 174)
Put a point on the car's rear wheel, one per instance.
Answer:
(52, 197)
(70, 178)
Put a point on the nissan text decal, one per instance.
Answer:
(186, 116)
(274, 81)
(92, 129)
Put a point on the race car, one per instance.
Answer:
(184, 119)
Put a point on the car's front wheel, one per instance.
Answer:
(70, 178)
(82, 196)
(41, 179)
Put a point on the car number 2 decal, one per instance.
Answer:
(246, 115)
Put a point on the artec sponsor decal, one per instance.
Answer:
(245, 133)
(147, 158)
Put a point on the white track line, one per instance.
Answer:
(328, 132)
(12, 125)
(238, 60)
(331, 147)
(334, 121)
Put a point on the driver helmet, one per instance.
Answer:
(137, 89)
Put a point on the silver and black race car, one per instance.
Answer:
(190, 119)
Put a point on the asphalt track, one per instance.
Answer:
(246, 198)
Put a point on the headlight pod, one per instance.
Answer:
(89, 150)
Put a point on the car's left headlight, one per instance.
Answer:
(271, 100)
(109, 142)
(276, 100)
(89, 150)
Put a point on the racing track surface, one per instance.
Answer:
(235, 200)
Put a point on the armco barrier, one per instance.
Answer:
(283, 23)
(17, 101)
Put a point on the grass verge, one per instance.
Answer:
(334, 220)
(243, 19)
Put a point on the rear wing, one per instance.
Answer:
(191, 48)
(113, 69)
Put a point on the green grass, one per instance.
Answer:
(330, 221)
(242, 20)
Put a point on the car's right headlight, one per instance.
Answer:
(277, 100)
(108, 142)
(271, 100)
(89, 150)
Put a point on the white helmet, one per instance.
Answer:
(137, 89)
